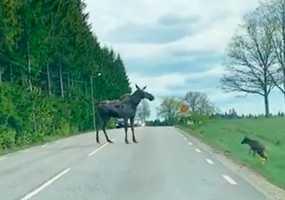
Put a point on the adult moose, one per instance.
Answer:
(124, 108)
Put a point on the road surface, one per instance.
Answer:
(164, 165)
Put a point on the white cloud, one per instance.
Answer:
(211, 25)
(165, 84)
(214, 72)
(217, 21)
(159, 84)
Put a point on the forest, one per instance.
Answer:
(53, 70)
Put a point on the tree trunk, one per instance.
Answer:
(71, 84)
(23, 79)
(283, 81)
(34, 120)
(86, 92)
(283, 40)
(11, 73)
(68, 84)
(266, 104)
(1, 73)
(29, 67)
(29, 76)
(61, 81)
(48, 80)
(92, 102)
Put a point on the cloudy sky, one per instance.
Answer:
(175, 46)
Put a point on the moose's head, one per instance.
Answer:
(245, 140)
(143, 94)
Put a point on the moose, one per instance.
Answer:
(255, 147)
(124, 108)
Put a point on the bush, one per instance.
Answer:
(29, 117)
(112, 123)
(197, 119)
(7, 138)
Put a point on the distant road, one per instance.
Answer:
(164, 165)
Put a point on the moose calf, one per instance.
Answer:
(255, 147)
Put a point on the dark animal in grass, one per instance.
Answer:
(255, 147)
(124, 108)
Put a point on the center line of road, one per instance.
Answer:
(46, 184)
(229, 180)
(98, 149)
(198, 150)
(209, 161)
(190, 143)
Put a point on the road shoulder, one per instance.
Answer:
(271, 191)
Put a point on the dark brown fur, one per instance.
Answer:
(255, 147)
(124, 108)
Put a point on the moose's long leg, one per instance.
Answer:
(97, 136)
(126, 130)
(105, 133)
(132, 119)
(254, 153)
(249, 151)
(97, 130)
(262, 155)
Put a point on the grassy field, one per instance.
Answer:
(226, 135)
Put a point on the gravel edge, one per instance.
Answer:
(270, 191)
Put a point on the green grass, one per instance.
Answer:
(226, 135)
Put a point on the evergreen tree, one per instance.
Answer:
(48, 55)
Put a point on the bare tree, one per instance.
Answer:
(274, 11)
(199, 102)
(169, 109)
(251, 59)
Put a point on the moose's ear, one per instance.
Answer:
(144, 87)
(137, 87)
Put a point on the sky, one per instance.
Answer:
(176, 46)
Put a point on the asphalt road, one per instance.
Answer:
(164, 165)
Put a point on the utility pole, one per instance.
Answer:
(61, 81)
(1, 73)
(92, 102)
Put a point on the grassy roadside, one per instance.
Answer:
(226, 136)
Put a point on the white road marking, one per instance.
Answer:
(43, 146)
(46, 184)
(190, 143)
(3, 158)
(229, 180)
(26, 150)
(96, 150)
(183, 136)
(198, 150)
(209, 161)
